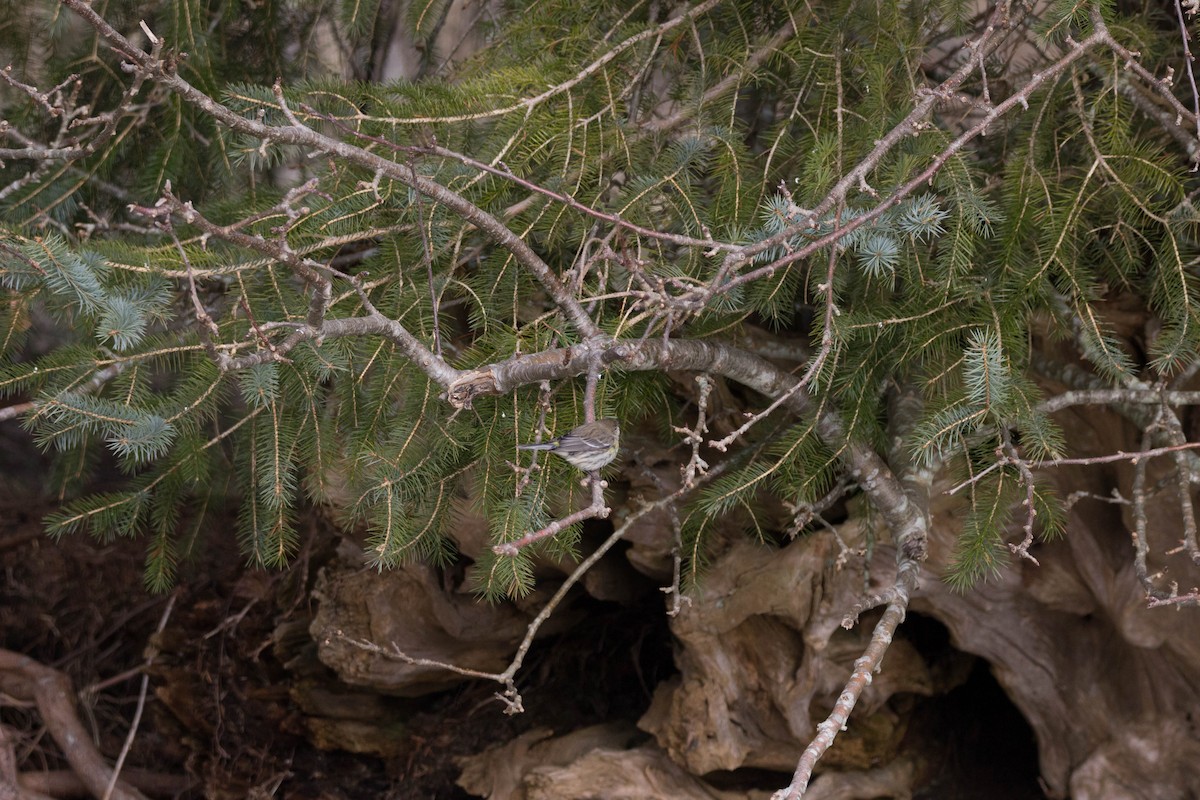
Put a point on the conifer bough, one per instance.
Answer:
(893, 250)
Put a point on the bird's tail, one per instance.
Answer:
(542, 446)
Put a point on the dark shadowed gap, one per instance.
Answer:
(978, 745)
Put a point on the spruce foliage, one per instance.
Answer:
(1022, 233)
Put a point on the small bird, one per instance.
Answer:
(589, 447)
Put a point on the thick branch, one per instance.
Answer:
(864, 669)
(872, 473)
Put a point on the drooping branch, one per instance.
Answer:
(908, 523)
(896, 595)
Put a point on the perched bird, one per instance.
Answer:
(589, 447)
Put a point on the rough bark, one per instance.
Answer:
(1110, 687)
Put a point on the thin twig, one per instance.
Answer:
(152, 653)
(694, 436)
(427, 257)
(1186, 37)
(511, 697)
(596, 510)
(814, 366)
